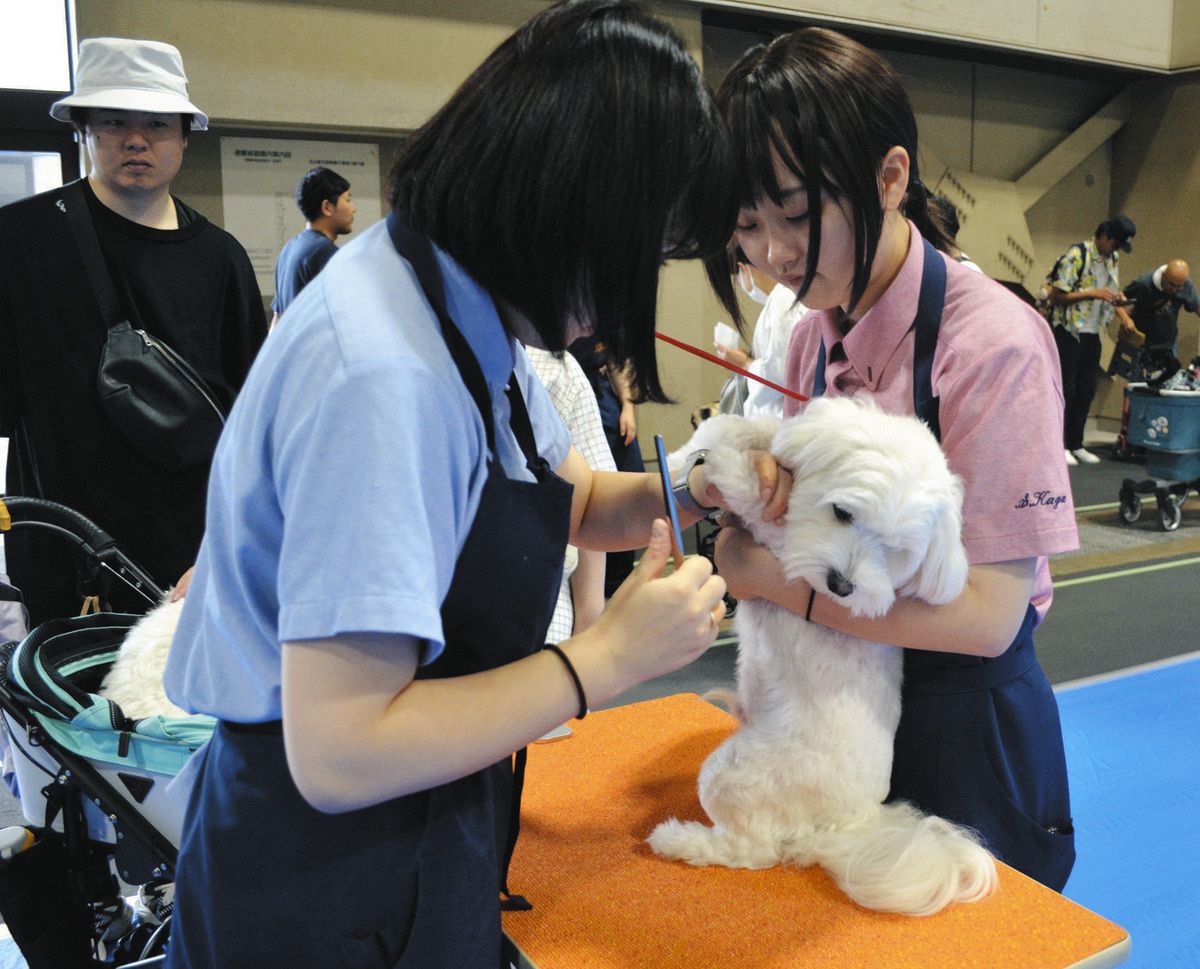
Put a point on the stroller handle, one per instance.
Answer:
(94, 542)
(38, 511)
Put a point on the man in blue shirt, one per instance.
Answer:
(324, 198)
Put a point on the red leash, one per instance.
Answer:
(712, 357)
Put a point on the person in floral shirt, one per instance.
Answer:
(1085, 293)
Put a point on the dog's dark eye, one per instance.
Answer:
(842, 515)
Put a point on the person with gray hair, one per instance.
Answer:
(182, 280)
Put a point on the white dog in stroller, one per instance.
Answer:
(135, 680)
(874, 513)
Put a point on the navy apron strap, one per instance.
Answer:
(418, 250)
(510, 902)
(927, 324)
(818, 389)
(522, 428)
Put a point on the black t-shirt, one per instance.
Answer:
(1155, 313)
(194, 288)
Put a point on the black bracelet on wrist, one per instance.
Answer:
(812, 597)
(583, 704)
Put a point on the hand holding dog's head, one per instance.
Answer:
(737, 465)
(725, 431)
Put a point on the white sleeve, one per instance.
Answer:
(769, 347)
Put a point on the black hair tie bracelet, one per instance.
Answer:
(583, 704)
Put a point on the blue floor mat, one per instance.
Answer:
(1133, 754)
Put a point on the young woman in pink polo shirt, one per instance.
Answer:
(833, 207)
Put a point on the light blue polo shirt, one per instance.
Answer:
(347, 478)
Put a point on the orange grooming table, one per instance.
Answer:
(603, 900)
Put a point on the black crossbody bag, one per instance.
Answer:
(154, 397)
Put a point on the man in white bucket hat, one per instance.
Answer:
(181, 279)
(137, 75)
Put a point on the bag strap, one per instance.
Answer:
(1082, 247)
(79, 218)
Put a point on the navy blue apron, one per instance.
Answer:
(266, 881)
(979, 740)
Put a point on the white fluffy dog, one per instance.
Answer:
(874, 513)
(135, 680)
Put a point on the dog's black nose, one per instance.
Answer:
(838, 584)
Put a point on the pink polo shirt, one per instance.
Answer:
(996, 373)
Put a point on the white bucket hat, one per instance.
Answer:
(129, 75)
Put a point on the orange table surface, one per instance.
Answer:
(603, 900)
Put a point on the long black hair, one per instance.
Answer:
(830, 109)
(584, 152)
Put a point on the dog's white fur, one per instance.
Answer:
(804, 778)
(135, 680)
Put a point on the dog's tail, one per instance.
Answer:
(902, 860)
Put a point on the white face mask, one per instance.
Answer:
(750, 285)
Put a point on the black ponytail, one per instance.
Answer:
(926, 217)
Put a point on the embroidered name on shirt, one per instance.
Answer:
(1041, 499)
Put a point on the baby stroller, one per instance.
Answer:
(1141, 367)
(1166, 424)
(103, 795)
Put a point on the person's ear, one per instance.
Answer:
(327, 208)
(893, 178)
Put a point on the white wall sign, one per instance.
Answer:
(259, 177)
(35, 45)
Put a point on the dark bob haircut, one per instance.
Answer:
(319, 185)
(580, 155)
(830, 109)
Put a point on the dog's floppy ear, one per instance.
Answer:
(942, 574)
